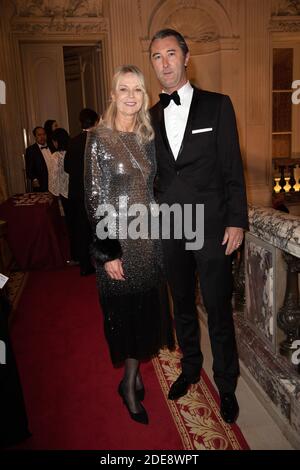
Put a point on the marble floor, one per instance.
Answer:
(257, 425)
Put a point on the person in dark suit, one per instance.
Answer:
(199, 162)
(74, 165)
(37, 157)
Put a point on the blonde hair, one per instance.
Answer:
(143, 127)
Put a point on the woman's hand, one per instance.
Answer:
(115, 269)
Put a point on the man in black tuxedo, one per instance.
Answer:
(199, 162)
(36, 158)
(74, 165)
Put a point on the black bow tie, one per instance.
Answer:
(165, 98)
(45, 147)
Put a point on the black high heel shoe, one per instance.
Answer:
(140, 417)
(140, 394)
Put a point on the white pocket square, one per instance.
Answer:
(198, 131)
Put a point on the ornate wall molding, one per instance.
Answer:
(59, 16)
(59, 8)
(210, 30)
(212, 10)
(53, 26)
(286, 7)
(285, 16)
(284, 24)
(202, 29)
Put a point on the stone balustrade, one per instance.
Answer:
(268, 321)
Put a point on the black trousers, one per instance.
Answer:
(70, 227)
(80, 233)
(214, 269)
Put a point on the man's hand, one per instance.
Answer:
(115, 269)
(233, 236)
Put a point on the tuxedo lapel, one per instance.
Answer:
(40, 156)
(194, 109)
(162, 128)
(193, 114)
(38, 150)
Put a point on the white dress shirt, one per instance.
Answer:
(58, 178)
(176, 117)
(47, 155)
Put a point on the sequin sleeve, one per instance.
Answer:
(92, 176)
(96, 183)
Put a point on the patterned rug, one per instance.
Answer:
(197, 415)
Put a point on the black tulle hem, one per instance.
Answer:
(137, 325)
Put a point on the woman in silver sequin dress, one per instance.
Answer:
(120, 170)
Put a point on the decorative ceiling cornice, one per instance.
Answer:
(59, 16)
(55, 25)
(289, 24)
(59, 8)
(286, 8)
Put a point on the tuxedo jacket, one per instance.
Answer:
(74, 165)
(208, 169)
(36, 167)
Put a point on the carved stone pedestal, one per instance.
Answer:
(269, 323)
(289, 313)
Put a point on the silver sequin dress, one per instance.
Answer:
(118, 170)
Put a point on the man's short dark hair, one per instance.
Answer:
(88, 118)
(165, 33)
(35, 129)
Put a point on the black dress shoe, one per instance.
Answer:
(180, 387)
(229, 407)
(140, 417)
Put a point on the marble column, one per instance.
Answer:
(258, 106)
(125, 30)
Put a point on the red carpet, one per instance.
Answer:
(68, 381)
(70, 385)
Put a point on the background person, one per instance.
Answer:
(59, 179)
(37, 160)
(74, 166)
